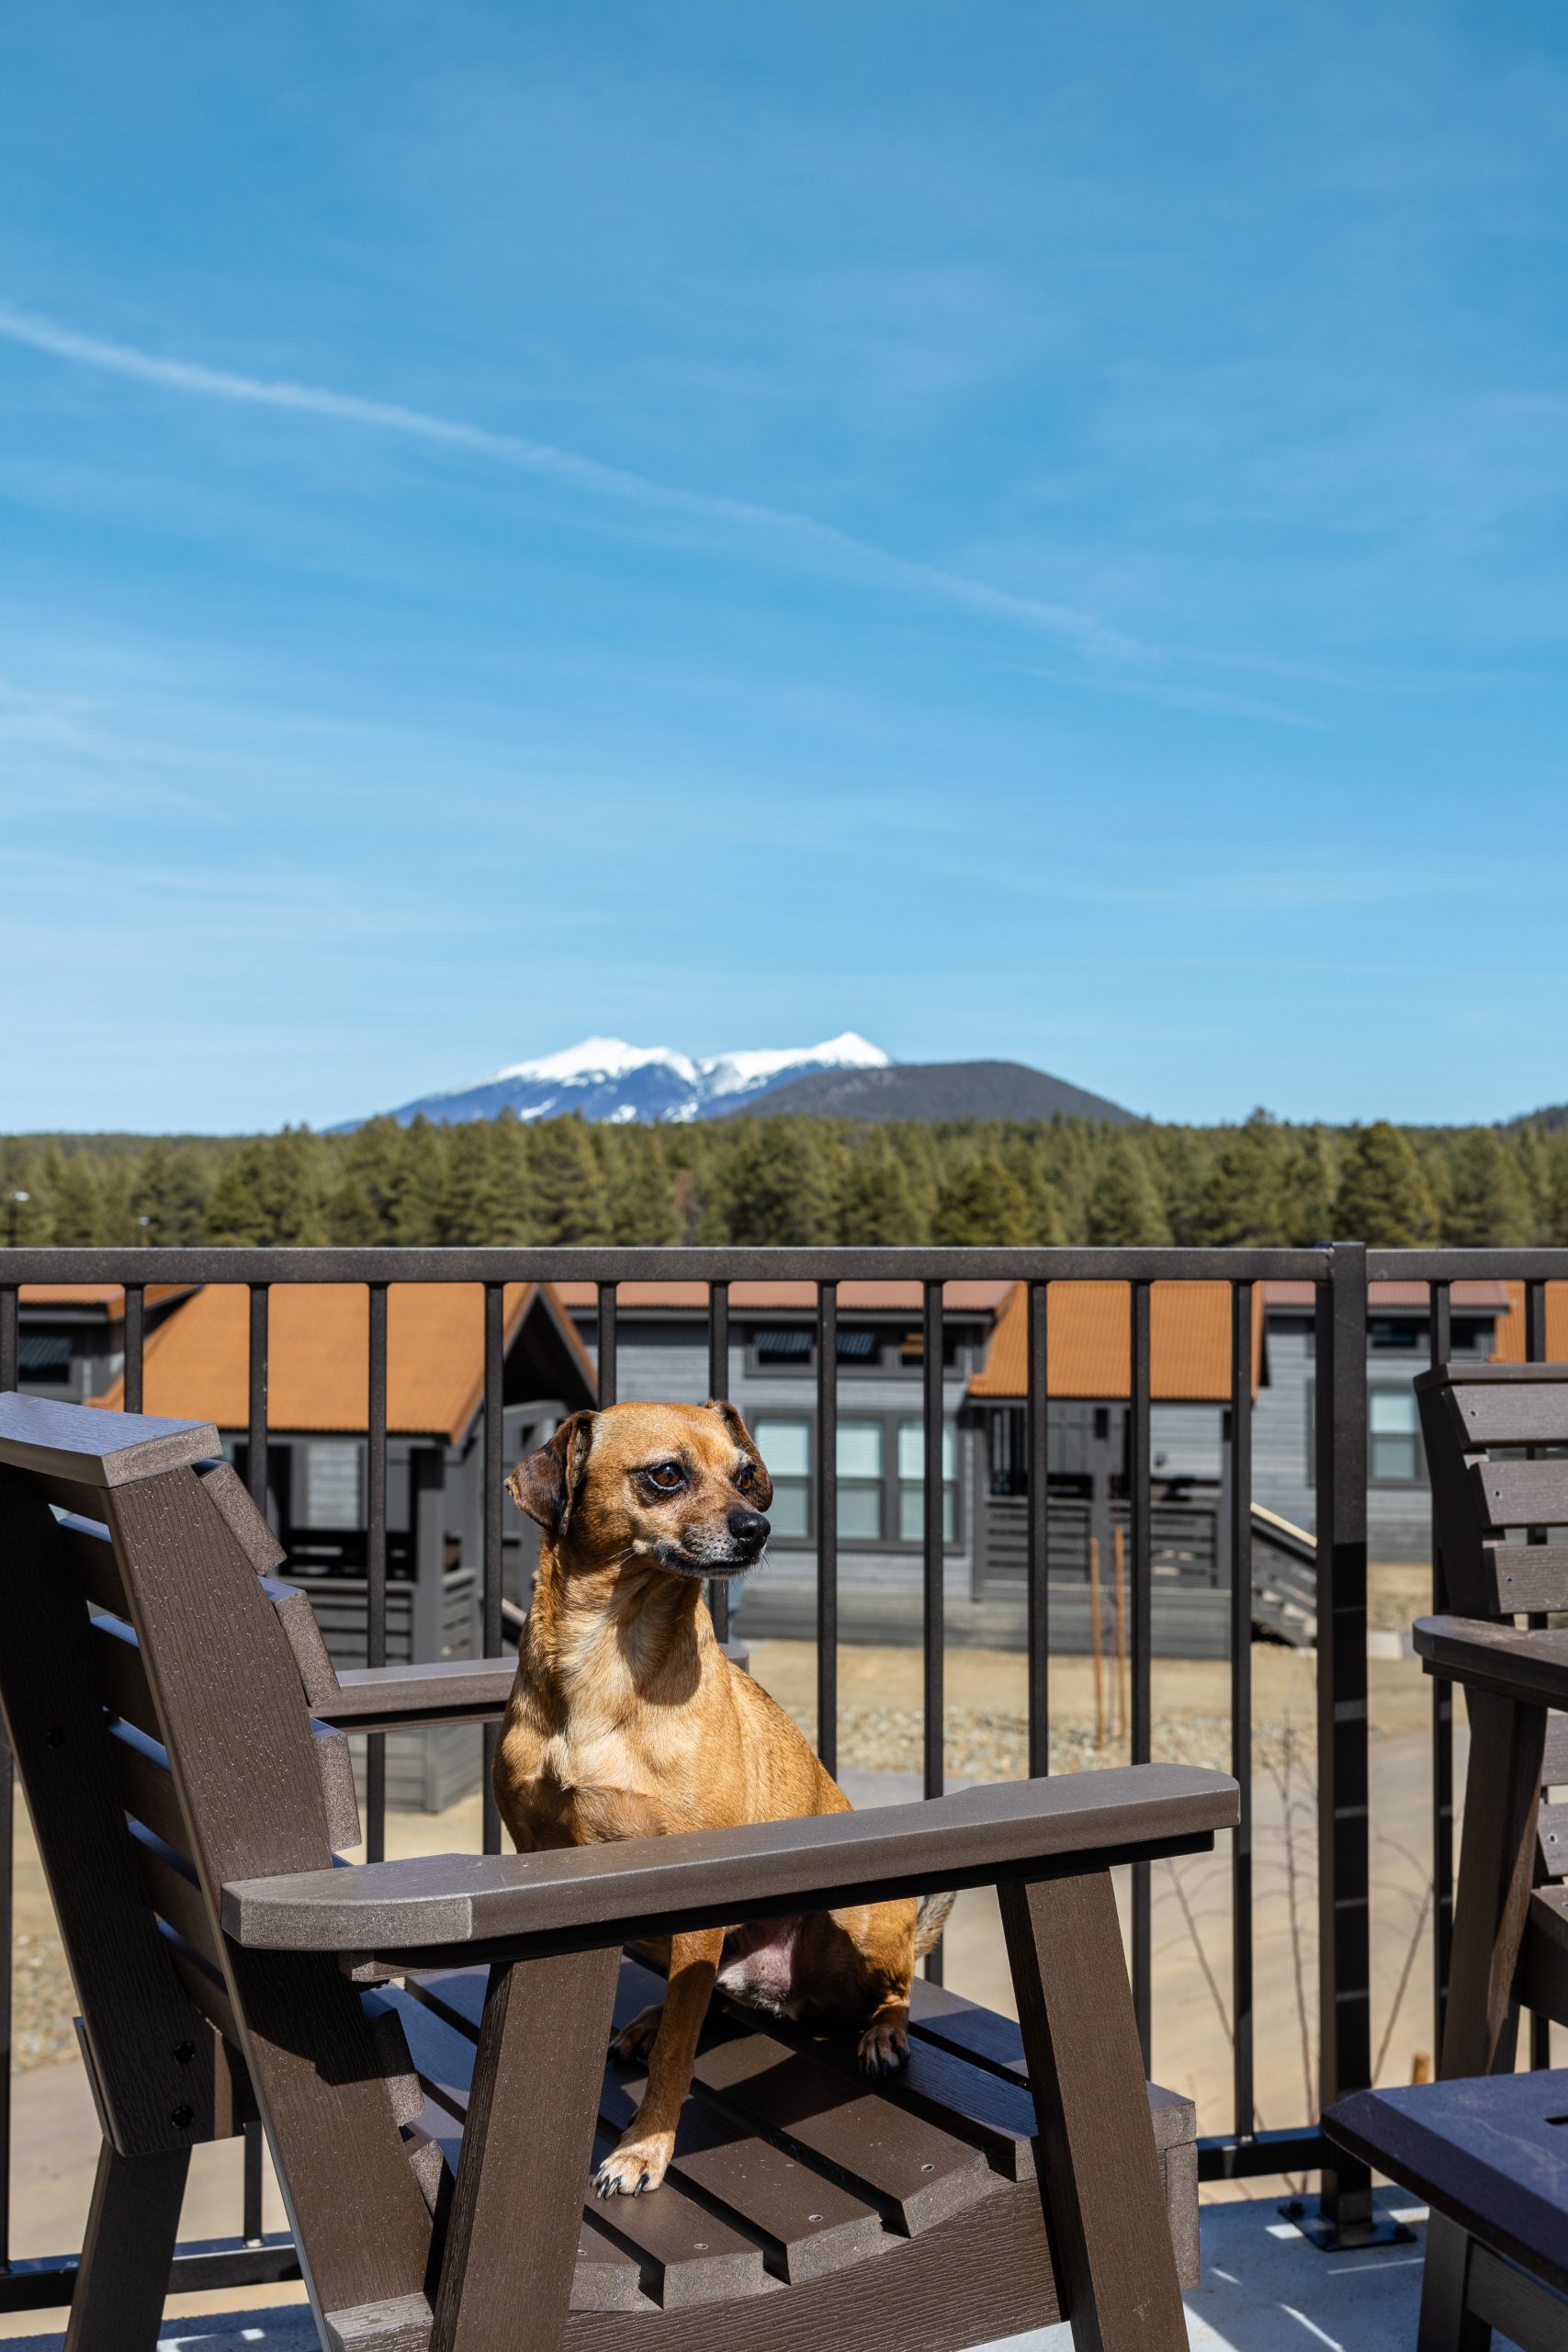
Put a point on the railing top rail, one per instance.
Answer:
(1438, 1265)
(592, 1262)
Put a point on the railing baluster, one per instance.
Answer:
(8, 1356)
(1037, 1459)
(1142, 1582)
(828, 1524)
(1343, 1851)
(933, 1495)
(718, 1388)
(1440, 1348)
(135, 1333)
(256, 1443)
(256, 1424)
(1241, 1706)
(495, 1380)
(376, 1563)
(607, 1303)
(1535, 1352)
(250, 2220)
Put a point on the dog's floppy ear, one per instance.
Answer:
(543, 1484)
(763, 1490)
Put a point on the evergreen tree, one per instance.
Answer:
(77, 1201)
(1555, 1186)
(235, 1217)
(1125, 1207)
(780, 1184)
(269, 1194)
(354, 1220)
(1044, 1226)
(568, 1190)
(1384, 1199)
(509, 1161)
(419, 1185)
(1244, 1200)
(169, 1192)
(1312, 1182)
(1487, 1203)
(982, 1202)
(643, 1212)
(876, 1207)
(21, 1174)
(361, 1208)
(470, 1206)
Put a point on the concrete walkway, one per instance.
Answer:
(1264, 2290)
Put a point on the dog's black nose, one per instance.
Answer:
(749, 1526)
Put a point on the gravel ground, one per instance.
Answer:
(986, 1745)
(43, 2004)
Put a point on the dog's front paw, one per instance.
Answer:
(884, 2047)
(638, 2164)
(631, 2045)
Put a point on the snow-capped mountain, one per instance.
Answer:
(605, 1078)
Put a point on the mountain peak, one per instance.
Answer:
(608, 1078)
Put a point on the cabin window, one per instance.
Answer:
(859, 1457)
(785, 1447)
(1394, 1438)
(334, 1486)
(911, 1482)
(43, 1359)
(791, 1349)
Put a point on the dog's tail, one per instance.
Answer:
(929, 1921)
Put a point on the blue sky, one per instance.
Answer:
(1021, 530)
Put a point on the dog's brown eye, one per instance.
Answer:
(666, 1476)
(744, 1475)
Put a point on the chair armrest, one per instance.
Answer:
(456, 1690)
(1530, 1666)
(588, 1897)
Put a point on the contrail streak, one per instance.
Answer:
(197, 382)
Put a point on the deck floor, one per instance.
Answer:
(1265, 2289)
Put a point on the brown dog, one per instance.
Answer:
(626, 1720)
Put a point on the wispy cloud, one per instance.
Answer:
(1089, 637)
(1208, 701)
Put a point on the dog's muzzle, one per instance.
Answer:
(740, 1548)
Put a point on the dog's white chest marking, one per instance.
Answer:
(759, 1966)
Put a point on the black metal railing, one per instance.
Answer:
(1340, 1276)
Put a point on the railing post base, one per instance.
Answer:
(1352, 2231)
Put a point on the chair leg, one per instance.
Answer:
(1446, 2325)
(123, 2279)
(517, 2201)
(1495, 1873)
(1095, 2159)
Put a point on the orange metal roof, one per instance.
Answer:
(195, 1364)
(1481, 1293)
(1089, 1353)
(108, 1294)
(1510, 1333)
(866, 1296)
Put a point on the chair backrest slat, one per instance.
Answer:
(1521, 1494)
(144, 1782)
(1476, 1423)
(122, 1679)
(92, 1557)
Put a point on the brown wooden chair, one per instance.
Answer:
(425, 2040)
(1495, 1436)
